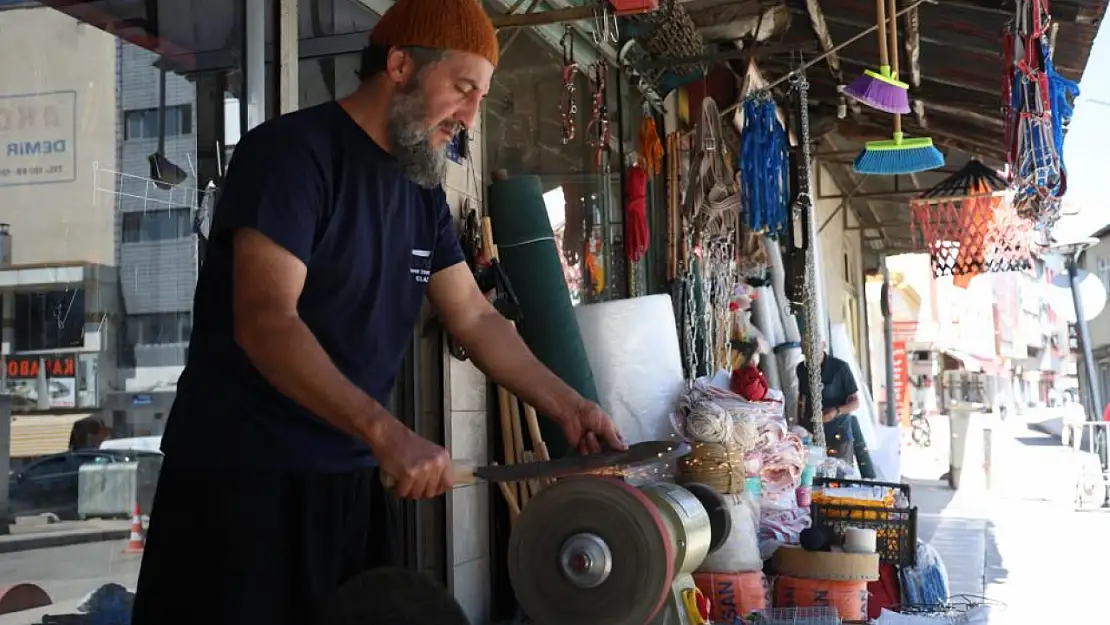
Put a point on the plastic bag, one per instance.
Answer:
(925, 584)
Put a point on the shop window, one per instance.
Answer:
(525, 136)
(49, 320)
(159, 328)
(157, 225)
(143, 123)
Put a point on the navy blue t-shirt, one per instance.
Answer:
(316, 184)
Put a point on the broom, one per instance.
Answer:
(900, 155)
(881, 90)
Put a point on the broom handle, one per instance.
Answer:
(893, 5)
(880, 14)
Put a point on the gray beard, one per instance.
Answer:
(411, 141)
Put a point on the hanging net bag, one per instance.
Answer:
(968, 227)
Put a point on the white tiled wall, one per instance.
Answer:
(465, 419)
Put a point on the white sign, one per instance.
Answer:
(38, 132)
(25, 393)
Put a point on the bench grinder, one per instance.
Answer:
(594, 550)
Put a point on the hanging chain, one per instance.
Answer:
(690, 308)
(598, 129)
(568, 103)
(803, 208)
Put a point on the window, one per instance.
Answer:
(157, 225)
(143, 123)
(49, 320)
(159, 329)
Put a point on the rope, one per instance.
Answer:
(636, 232)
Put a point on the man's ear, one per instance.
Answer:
(397, 65)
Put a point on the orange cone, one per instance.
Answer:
(136, 541)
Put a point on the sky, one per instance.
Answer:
(1087, 148)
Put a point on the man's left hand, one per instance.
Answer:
(590, 430)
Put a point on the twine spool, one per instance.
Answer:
(719, 465)
(745, 434)
(709, 423)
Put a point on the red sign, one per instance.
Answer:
(901, 382)
(27, 367)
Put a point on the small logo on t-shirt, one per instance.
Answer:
(419, 269)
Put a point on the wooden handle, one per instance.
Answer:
(893, 43)
(893, 6)
(880, 17)
(464, 475)
(487, 238)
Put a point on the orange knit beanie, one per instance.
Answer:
(460, 25)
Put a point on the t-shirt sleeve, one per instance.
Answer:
(847, 380)
(447, 252)
(274, 185)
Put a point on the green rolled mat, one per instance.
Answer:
(526, 248)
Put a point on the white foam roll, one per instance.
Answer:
(763, 315)
(632, 346)
(740, 551)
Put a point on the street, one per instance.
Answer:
(69, 573)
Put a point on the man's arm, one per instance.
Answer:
(495, 345)
(268, 281)
(849, 406)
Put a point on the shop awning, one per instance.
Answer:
(41, 435)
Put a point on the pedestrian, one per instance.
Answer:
(839, 399)
(330, 230)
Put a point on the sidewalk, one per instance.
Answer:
(1019, 542)
(955, 523)
(26, 536)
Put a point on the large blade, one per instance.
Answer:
(636, 455)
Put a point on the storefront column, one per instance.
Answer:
(252, 109)
(466, 423)
(889, 413)
(288, 57)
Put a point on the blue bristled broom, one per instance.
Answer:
(900, 155)
(881, 90)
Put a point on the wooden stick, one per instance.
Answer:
(518, 442)
(530, 417)
(893, 43)
(880, 18)
(507, 446)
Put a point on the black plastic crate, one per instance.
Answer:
(895, 528)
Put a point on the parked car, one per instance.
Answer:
(49, 485)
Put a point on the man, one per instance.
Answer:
(839, 399)
(330, 230)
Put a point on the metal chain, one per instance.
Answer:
(689, 321)
(803, 207)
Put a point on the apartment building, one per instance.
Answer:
(58, 278)
(156, 244)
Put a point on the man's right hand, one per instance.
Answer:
(421, 469)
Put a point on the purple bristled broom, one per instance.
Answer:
(881, 90)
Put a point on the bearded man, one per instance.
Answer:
(331, 229)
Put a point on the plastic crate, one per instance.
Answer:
(825, 482)
(895, 528)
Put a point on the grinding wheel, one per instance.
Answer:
(591, 551)
(720, 516)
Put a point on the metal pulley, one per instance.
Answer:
(598, 551)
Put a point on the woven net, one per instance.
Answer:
(973, 234)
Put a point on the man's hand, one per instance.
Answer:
(590, 430)
(421, 468)
(829, 413)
